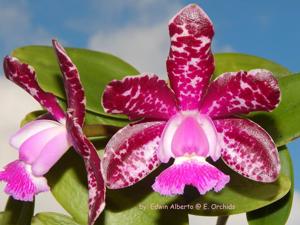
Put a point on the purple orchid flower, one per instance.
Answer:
(41, 143)
(195, 120)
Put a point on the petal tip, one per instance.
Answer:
(194, 14)
(57, 46)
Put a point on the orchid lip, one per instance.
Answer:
(21, 183)
(193, 171)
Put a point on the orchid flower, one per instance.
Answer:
(41, 143)
(194, 120)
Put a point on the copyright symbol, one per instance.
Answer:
(198, 206)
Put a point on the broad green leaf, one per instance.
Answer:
(283, 123)
(278, 212)
(52, 219)
(95, 118)
(96, 70)
(230, 62)
(17, 213)
(90, 118)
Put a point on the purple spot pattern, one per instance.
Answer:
(96, 185)
(190, 63)
(132, 154)
(73, 87)
(241, 92)
(248, 149)
(140, 96)
(75, 120)
(24, 76)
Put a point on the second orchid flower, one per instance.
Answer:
(43, 142)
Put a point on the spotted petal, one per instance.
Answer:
(248, 149)
(140, 96)
(131, 154)
(24, 76)
(241, 92)
(190, 63)
(92, 162)
(73, 87)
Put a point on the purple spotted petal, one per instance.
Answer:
(130, 155)
(24, 76)
(190, 63)
(21, 183)
(92, 162)
(190, 171)
(241, 92)
(248, 149)
(140, 96)
(73, 87)
(30, 129)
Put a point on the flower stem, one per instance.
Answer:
(222, 220)
(95, 130)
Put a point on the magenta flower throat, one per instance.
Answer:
(192, 120)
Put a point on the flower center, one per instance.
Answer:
(189, 134)
(190, 138)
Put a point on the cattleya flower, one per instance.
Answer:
(41, 143)
(197, 119)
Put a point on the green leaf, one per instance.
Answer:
(52, 219)
(278, 212)
(17, 213)
(283, 123)
(230, 62)
(96, 70)
(95, 118)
